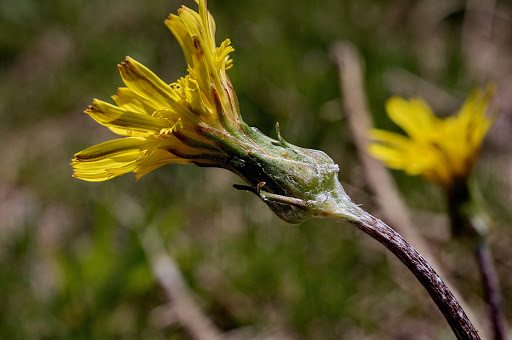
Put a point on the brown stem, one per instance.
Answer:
(491, 287)
(379, 179)
(467, 226)
(416, 263)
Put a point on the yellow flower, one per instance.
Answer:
(441, 150)
(166, 123)
(196, 120)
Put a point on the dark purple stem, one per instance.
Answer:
(491, 286)
(466, 225)
(439, 292)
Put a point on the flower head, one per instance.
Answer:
(162, 123)
(196, 120)
(441, 150)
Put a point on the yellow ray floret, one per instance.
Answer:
(441, 150)
(117, 157)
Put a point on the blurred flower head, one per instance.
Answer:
(443, 150)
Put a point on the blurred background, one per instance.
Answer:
(72, 264)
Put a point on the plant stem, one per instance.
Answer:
(379, 180)
(416, 263)
(491, 287)
(468, 227)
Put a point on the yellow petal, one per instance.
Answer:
(390, 138)
(474, 117)
(190, 33)
(109, 159)
(175, 24)
(147, 85)
(477, 104)
(392, 157)
(157, 159)
(208, 23)
(203, 57)
(120, 156)
(195, 97)
(128, 100)
(414, 116)
(212, 27)
(124, 122)
(114, 147)
(400, 152)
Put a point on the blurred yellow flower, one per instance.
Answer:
(166, 123)
(443, 150)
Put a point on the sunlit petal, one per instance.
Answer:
(124, 122)
(130, 101)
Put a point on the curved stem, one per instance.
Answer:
(491, 287)
(416, 263)
(467, 225)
